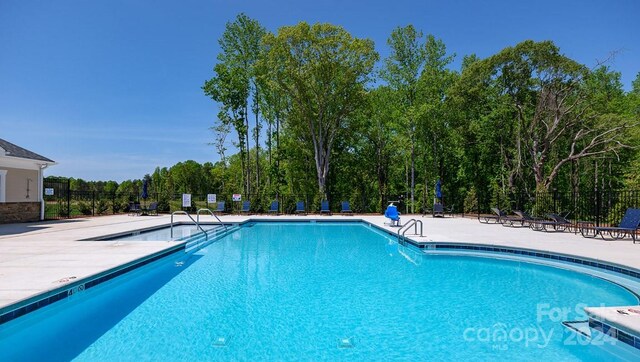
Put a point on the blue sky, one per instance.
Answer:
(110, 89)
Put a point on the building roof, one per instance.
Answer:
(17, 151)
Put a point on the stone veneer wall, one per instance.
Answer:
(19, 212)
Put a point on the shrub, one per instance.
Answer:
(102, 207)
(85, 208)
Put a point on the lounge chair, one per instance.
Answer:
(324, 207)
(559, 223)
(274, 208)
(522, 219)
(346, 208)
(246, 207)
(134, 208)
(300, 209)
(495, 218)
(152, 209)
(393, 215)
(628, 227)
(220, 207)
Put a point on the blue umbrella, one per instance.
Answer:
(145, 191)
(438, 189)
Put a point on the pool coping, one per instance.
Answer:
(35, 302)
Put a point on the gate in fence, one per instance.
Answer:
(57, 199)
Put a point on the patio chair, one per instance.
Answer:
(495, 218)
(220, 208)
(393, 215)
(346, 208)
(246, 207)
(152, 209)
(627, 227)
(438, 210)
(300, 209)
(324, 207)
(134, 208)
(274, 208)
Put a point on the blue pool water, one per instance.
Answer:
(325, 291)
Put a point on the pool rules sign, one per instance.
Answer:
(186, 200)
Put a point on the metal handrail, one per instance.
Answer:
(212, 214)
(409, 224)
(195, 222)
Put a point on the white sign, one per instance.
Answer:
(212, 198)
(48, 191)
(186, 200)
(236, 197)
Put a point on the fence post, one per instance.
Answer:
(68, 198)
(598, 207)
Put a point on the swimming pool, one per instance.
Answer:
(323, 291)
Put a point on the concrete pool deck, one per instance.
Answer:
(39, 257)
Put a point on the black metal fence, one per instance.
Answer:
(600, 207)
(61, 202)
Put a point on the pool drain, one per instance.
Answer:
(179, 263)
(220, 342)
(344, 343)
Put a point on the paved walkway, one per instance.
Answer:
(39, 257)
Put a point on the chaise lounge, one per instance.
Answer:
(497, 216)
(627, 227)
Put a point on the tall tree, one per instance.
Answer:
(234, 82)
(551, 108)
(401, 71)
(323, 69)
(433, 88)
(380, 132)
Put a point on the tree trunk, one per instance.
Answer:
(413, 174)
(257, 144)
(248, 153)
(269, 145)
(382, 179)
(277, 154)
(322, 167)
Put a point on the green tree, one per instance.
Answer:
(401, 71)
(380, 132)
(434, 117)
(235, 82)
(553, 120)
(323, 70)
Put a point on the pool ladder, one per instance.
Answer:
(212, 214)
(403, 230)
(180, 212)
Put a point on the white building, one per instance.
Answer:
(21, 177)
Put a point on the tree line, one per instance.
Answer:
(314, 111)
(527, 119)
